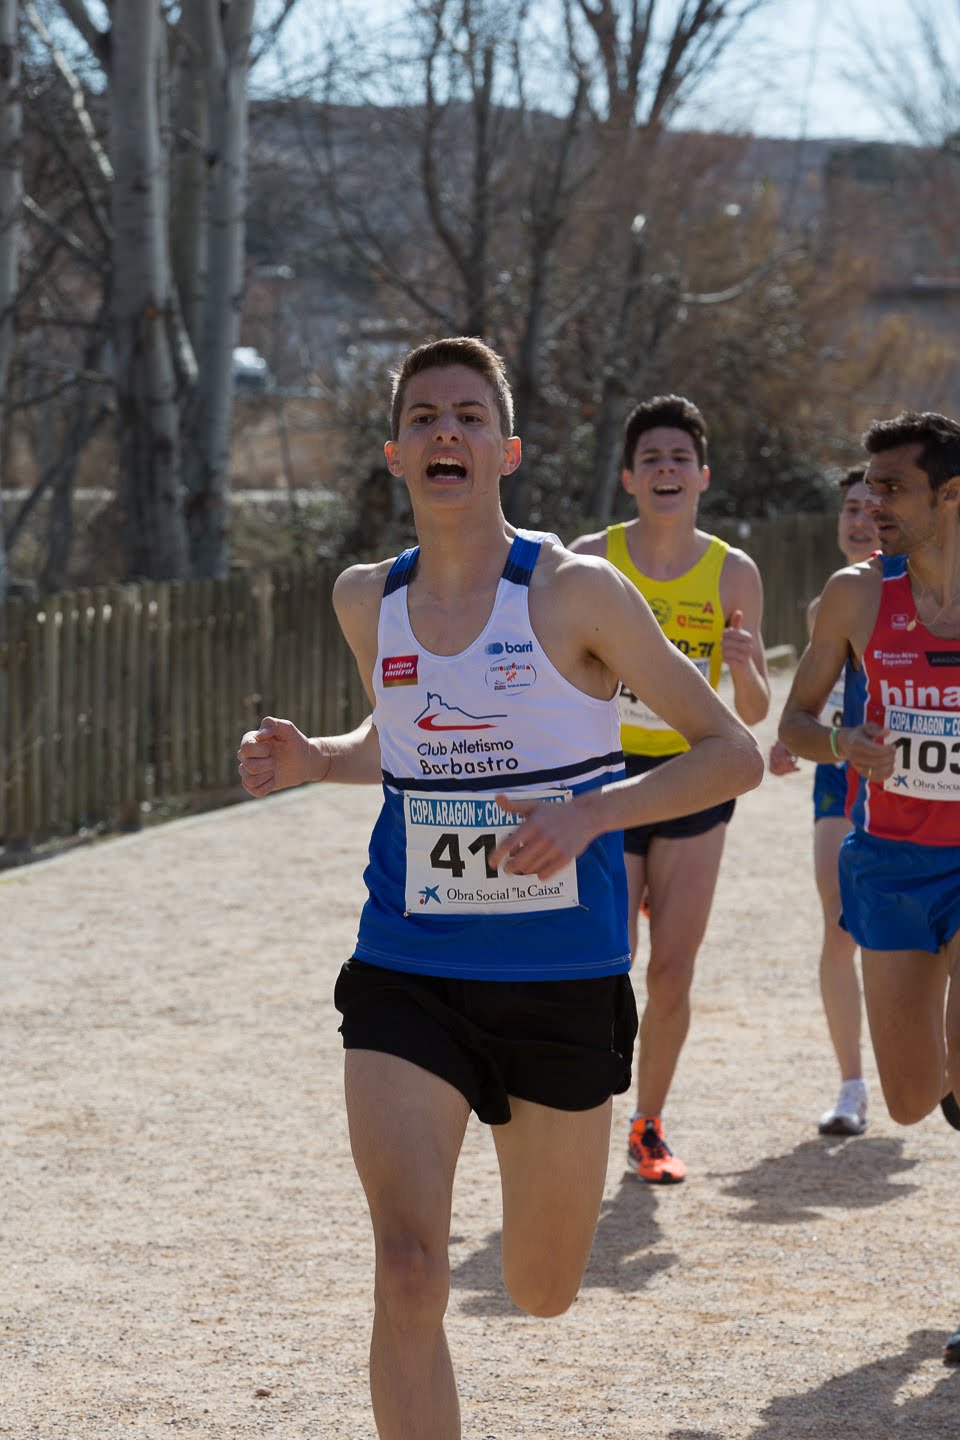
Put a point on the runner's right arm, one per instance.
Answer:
(278, 755)
(842, 626)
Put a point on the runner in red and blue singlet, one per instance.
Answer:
(898, 620)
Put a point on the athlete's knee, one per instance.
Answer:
(669, 976)
(539, 1289)
(413, 1280)
(909, 1104)
(831, 904)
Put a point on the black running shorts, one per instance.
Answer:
(636, 840)
(563, 1043)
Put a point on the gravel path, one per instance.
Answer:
(184, 1248)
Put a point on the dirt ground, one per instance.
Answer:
(183, 1243)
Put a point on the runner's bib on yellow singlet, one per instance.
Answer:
(689, 613)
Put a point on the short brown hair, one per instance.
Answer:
(854, 476)
(673, 411)
(938, 437)
(439, 355)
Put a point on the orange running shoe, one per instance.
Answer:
(650, 1154)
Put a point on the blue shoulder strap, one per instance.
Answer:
(521, 560)
(401, 570)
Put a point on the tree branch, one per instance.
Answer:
(98, 40)
(733, 292)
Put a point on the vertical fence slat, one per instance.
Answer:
(177, 777)
(34, 808)
(99, 703)
(85, 799)
(69, 709)
(17, 832)
(206, 708)
(52, 717)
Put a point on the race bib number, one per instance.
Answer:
(634, 712)
(450, 839)
(832, 712)
(927, 743)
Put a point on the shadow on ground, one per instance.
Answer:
(863, 1405)
(623, 1258)
(819, 1175)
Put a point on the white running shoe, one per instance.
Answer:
(849, 1115)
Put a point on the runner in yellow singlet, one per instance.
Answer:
(708, 599)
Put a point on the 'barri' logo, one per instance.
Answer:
(508, 647)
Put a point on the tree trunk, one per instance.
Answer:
(151, 491)
(225, 57)
(11, 194)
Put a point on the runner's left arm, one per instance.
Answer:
(619, 629)
(741, 591)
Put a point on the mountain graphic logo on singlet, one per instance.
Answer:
(438, 715)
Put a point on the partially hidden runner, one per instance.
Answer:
(839, 983)
(708, 600)
(490, 970)
(897, 620)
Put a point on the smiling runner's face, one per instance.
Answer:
(666, 477)
(450, 448)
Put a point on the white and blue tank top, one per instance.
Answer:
(456, 730)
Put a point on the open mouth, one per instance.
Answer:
(666, 489)
(446, 467)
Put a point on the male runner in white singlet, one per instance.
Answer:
(490, 970)
(708, 599)
(897, 620)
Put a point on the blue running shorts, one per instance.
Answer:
(897, 895)
(829, 792)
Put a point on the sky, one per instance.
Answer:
(811, 55)
(797, 69)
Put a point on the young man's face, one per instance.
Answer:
(856, 532)
(450, 444)
(666, 477)
(899, 499)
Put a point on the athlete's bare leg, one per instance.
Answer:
(681, 876)
(636, 885)
(953, 1017)
(839, 985)
(553, 1164)
(905, 991)
(406, 1130)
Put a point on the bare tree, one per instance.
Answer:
(538, 203)
(175, 170)
(644, 71)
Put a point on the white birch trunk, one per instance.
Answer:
(11, 196)
(151, 487)
(220, 39)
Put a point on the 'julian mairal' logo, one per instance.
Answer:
(399, 669)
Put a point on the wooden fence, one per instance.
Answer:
(116, 700)
(795, 555)
(120, 700)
